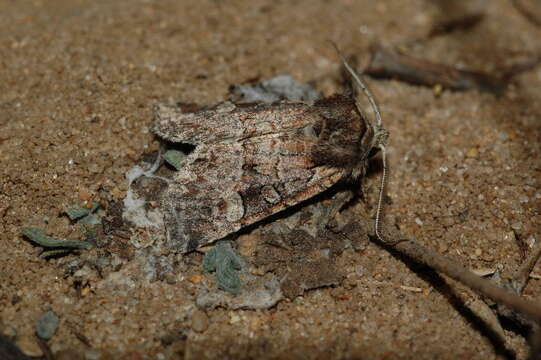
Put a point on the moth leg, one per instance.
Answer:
(360, 186)
(359, 191)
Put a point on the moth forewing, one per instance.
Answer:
(255, 160)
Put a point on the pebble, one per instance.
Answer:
(200, 321)
(247, 244)
(531, 241)
(443, 247)
(195, 278)
(473, 152)
(46, 325)
(85, 195)
(95, 168)
(516, 226)
(170, 279)
(29, 346)
(448, 221)
(234, 319)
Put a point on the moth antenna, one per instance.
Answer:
(381, 193)
(362, 85)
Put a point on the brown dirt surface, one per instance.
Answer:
(78, 80)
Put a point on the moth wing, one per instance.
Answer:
(228, 121)
(226, 186)
(252, 161)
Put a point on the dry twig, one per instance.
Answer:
(441, 264)
(527, 11)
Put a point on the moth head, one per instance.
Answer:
(378, 140)
(380, 136)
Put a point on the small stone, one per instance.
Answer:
(523, 199)
(246, 244)
(443, 247)
(437, 89)
(516, 226)
(86, 290)
(464, 214)
(350, 282)
(85, 196)
(170, 279)
(200, 321)
(84, 272)
(29, 346)
(530, 240)
(448, 221)
(472, 153)
(195, 278)
(234, 319)
(95, 168)
(47, 325)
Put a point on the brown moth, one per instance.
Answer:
(253, 160)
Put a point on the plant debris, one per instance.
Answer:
(226, 263)
(84, 215)
(175, 158)
(530, 9)
(461, 23)
(281, 87)
(387, 63)
(53, 245)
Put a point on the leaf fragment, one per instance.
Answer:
(38, 236)
(226, 263)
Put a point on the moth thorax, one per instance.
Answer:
(358, 171)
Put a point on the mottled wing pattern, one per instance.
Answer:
(255, 166)
(227, 122)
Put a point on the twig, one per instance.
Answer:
(535, 344)
(520, 278)
(465, 22)
(458, 272)
(389, 63)
(526, 12)
(45, 348)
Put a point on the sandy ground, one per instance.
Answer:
(77, 83)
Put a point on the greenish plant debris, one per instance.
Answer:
(46, 325)
(38, 236)
(89, 232)
(84, 215)
(77, 212)
(223, 259)
(175, 158)
(91, 220)
(55, 252)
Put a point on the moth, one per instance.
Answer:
(254, 160)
